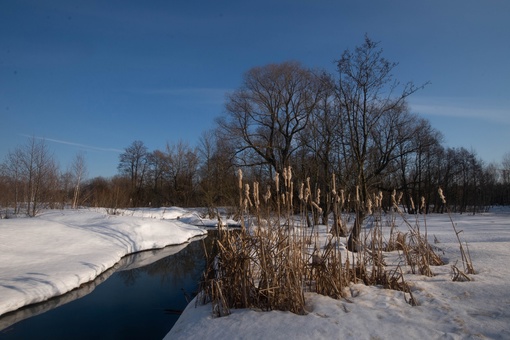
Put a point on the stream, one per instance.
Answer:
(141, 297)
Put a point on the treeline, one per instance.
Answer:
(354, 126)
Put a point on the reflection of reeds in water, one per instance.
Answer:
(276, 255)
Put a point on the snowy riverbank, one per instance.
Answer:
(446, 310)
(59, 250)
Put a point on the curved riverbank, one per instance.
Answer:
(68, 248)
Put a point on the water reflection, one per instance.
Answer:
(138, 298)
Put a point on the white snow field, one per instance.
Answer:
(478, 309)
(59, 250)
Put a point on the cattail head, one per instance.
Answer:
(247, 200)
(307, 195)
(256, 194)
(289, 177)
(240, 179)
(441, 195)
(379, 199)
(291, 194)
(422, 205)
(316, 206)
(267, 195)
(369, 206)
(277, 181)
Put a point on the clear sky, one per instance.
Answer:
(93, 76)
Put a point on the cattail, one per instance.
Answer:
(441, 195)
(240, 186)
(369, 206)
(342, 196)
(394, 197)
(301, 191)
(333, 184)
(277, 182)
(357, 193)
(318, 198)
(412, 202)
(422, 205)
(240, 178)
(316, 206)
(291, 194)
(256, 194)
(378, 199)
(247, 200)
(289, 176)
(307, 195)
(267, 196)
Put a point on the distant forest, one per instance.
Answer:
(353, 127)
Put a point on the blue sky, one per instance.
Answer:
(93, 76)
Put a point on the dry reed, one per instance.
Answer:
(274, 258)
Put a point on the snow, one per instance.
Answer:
(478, 309)
(59, 250)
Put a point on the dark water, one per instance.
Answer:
(128, 302)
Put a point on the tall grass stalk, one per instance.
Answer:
(465, 256)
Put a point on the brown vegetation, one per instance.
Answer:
(276, 256)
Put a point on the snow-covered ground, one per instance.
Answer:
(479, 309)
(59, 250)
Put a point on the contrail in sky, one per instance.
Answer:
(75, 144)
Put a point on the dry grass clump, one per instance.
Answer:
(262, 270)
(326, 274)
(418, 252)
(275, 257)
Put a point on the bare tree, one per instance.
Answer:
(374, 118)
(159, 166)
(34, 168)
(79, 169)
(218, 183)
(265, 115)
(13, 170)
(133, 163)
(183, 168)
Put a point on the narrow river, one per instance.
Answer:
(140, 298)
